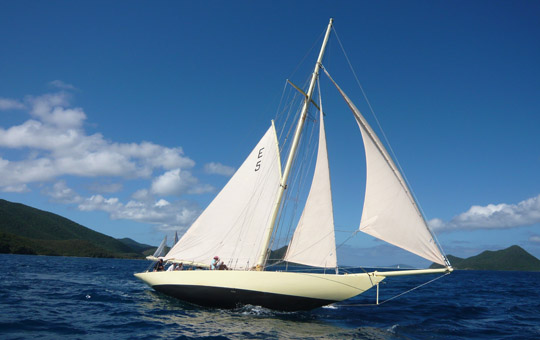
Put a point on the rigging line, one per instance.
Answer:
(389, 145)
(289, 120)
(278, 114)
(348, 238)
(301, 168)
(315, 43)
(395, 296)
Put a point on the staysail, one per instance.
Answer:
(232, 226)
(390, 212)
(313, 242)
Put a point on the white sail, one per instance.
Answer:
(313, 242)
(160, 250)
(390, 212)
(232, 226)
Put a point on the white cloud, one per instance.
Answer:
(162, 203)
(10, 104)
(19, 188)
(494, 216)
(98, 202)
(53, 109)
(178, 182)
(219, 169)
(534, 239)
(142, 207)
(54, 144)
(60, 192)
(165, 215)
(61, 85)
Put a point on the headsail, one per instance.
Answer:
(232, 226)
(160, 250)
(390, 212)
(313, 242)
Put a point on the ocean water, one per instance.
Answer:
(83, 298)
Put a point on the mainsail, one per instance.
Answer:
(313, 242)
(390, 212)
(232, 226)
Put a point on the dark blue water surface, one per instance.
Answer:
(82, 298)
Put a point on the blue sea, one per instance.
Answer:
(85, 298)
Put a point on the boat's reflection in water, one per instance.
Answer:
(179, 319)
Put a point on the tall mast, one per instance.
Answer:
(292, 153)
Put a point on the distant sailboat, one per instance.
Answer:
(160, 251)
(239, 223)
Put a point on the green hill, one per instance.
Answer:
(139, 247)
(512, 258)
(26, 230)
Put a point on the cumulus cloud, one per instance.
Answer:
(11, 104)
(52, 147)
(61, 193)
(178, 182)
(56, 144)
(493, 216)
(162, 213)
(219, 169)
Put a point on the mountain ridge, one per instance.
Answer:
(27, 230)
(513, 258)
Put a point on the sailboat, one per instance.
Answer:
(239, 224)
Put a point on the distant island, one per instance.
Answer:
(511, 258)
(26, 230)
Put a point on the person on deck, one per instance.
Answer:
(215, 263)
(159, 266)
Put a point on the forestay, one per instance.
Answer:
(390, 212)
(232, 225)
(313, 242)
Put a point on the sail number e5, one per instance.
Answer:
(259, 156)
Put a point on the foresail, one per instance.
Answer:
(313, 242)
(160, 250)
(390, 212)
(232, 225)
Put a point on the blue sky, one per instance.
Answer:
(128, 116)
